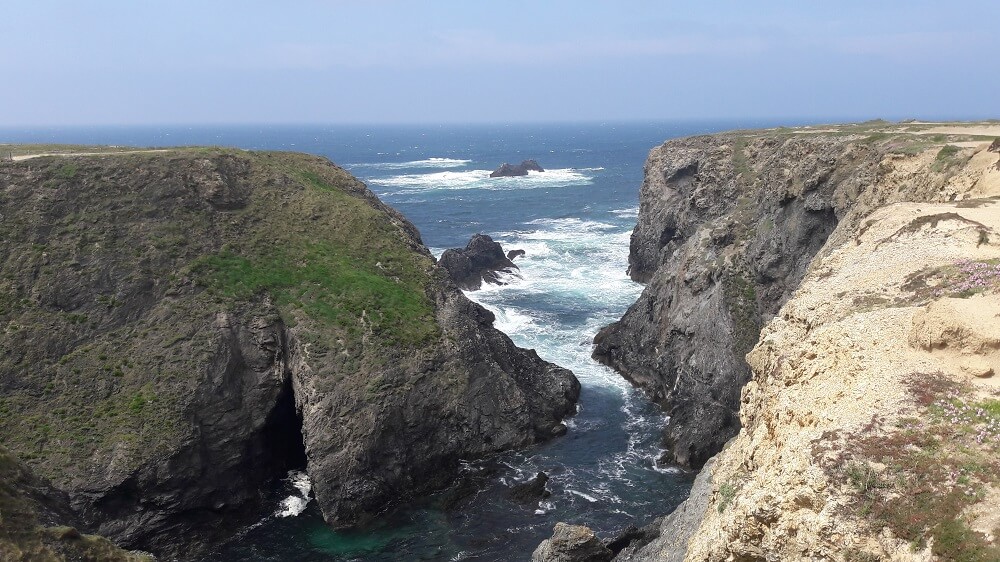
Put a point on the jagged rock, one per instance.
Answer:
(511, 254)
(532, 490)
(510, 170)
(225, 316)
(571, 543)
(480, 261)
(35, 521)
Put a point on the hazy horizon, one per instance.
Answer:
(391, 62)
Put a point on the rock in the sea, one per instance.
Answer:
(511, 254)
(510, 170)
(572, 543)
(532, 490)
(481, 260)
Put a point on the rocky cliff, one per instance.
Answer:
(728, 225)
(179, 328)
(871, 419)
(36, 522)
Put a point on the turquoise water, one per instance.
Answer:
(573, 221)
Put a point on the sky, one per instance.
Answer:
(381, 61)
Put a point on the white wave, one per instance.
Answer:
(294, 505)
(626, 213)
(426, 163)
(666, 470)
(544, 507)
(587, 497)
(480, 179)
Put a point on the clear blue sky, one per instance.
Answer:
(214, 61)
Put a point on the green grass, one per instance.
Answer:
(329, 286)
(740, 161)
(727, 492)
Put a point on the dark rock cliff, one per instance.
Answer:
(179, 329)
(38, 525)
(727, 226)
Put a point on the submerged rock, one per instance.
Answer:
(510, 170)
(480, 261)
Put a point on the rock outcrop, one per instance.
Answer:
(531, 491)
(482, 260)
(571, 543)
(511, 170)
(869, 423)
(179, 329)
(37, 523)
(728, 225)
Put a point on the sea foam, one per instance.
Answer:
(480, 179)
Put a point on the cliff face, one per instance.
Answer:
(728, 225)
(871, 421)
(36, 522)
(180, 328)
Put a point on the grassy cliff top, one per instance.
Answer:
(116, 264)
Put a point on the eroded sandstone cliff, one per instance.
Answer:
(871, 420)
(728, 225)
(179, 328)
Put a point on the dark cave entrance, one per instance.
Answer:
(283, 444)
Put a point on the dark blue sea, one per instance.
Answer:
(573, 221)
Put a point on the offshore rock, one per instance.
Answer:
(181, 328)
(532, 490)
(571, 543)
(510, 170)
(480, 261)
(511, 254)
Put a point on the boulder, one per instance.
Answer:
(571, 543)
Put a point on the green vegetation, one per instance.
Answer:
(727, 492)
(329, 286)
(947, 158)
(920, 477)
(740, 162)
(66, 172)
(741, 302)
(107, 342)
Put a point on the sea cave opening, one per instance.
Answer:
(283, 443)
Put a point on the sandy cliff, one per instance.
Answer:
(871, 418)
(728, 225)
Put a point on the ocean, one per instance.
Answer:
(573, 221)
